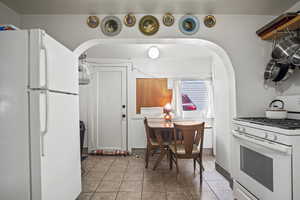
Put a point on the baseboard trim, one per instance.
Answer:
(85, 150)
(206, 151)
(138, 150)
(224, 173)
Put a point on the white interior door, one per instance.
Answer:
(109, 105)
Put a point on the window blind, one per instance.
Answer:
(198, 93)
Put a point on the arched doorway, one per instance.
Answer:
(224, 86)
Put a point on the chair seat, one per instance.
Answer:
(181, 149)
(154, 142)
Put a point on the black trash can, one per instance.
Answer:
(82, 134)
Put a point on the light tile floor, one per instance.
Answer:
(125, 178)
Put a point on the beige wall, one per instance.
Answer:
(294, 8)
(9, 16)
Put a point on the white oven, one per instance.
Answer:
(261, 168)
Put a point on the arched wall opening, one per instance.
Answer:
(223, 78)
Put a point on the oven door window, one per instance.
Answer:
(257, 166)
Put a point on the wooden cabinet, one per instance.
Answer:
(152, 92)
(282, 30)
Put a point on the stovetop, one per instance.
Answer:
(290, 124)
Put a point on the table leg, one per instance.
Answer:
(163, 151)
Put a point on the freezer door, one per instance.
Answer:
(52, 65)
(55, 138)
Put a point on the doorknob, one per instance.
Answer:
(123, 115)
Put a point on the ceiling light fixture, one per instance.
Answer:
(153, 52)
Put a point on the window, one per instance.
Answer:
(194, 95)
(193, 98)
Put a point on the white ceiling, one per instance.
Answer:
(140, 51)
(249, 7)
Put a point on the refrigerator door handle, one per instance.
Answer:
(43, 47)
(44, 132)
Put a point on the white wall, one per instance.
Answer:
(292, 85)
(235, 33)
(9, 16)
(223, 77)
(176, 61)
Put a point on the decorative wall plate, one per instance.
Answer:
(93, 21)
(111, 26)
(149, 25)
(210, 21)
(168, 19)
(129, 20)
(189, 24)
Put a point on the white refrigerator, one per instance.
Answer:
(39, 118)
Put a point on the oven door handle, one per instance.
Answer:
(270, 145)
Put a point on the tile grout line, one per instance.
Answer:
(88, 171)
(119, 165)
(212, 190)
(106, 172)
(122, 181)
(143, 183)
(165, 188)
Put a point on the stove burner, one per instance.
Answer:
(280, 123)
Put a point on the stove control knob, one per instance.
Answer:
(274, 137)
(244, 130)
(238, 129)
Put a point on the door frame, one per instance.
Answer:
(93, 64)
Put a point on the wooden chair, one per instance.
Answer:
(188, 144)
(152, 143)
